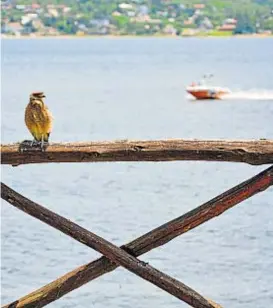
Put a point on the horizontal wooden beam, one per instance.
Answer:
(254, 152)
(157, 237)
(112, 252)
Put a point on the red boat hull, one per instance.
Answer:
(205, 94)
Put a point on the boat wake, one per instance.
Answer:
(250, 95)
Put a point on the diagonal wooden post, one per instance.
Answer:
(114, 253)
(149, 241)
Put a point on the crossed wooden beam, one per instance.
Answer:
(126, 255)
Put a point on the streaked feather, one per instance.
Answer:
(38, 118)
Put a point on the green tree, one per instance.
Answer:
(246, 23)
(66, 26)
(121, 21)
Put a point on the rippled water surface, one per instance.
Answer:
(105, 89)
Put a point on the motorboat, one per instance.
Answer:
(202, 90)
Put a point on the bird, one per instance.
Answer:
(38, 118)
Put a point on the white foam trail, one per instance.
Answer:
(250, 94)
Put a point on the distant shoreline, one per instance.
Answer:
(4, 36)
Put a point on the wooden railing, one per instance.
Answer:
(252, 152)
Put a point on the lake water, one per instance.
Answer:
(105, 89)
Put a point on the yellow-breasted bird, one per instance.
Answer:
(38, 118)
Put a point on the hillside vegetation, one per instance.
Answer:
(137, 17)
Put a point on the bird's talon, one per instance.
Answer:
(44, 145)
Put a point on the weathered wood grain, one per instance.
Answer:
(255, 152)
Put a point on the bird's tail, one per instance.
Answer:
(46, 137)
